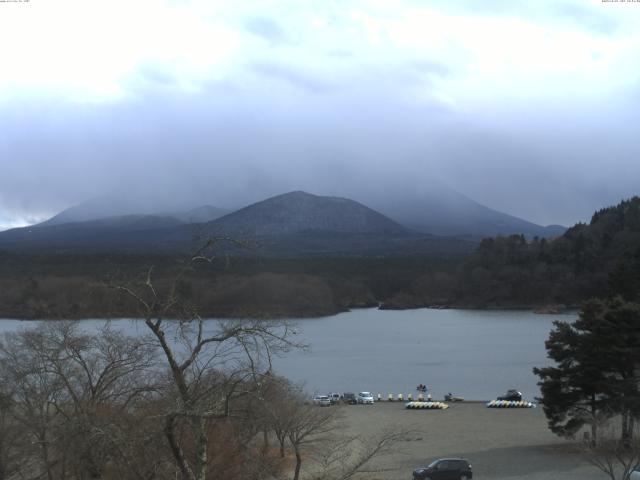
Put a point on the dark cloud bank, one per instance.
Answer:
(276, 128)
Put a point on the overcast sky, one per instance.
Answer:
(531, 108)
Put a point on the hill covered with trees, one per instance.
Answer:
(589, 259)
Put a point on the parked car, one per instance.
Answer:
(635, 473)
(444, 469)
(365, 398)
(335, 398)
(322, 400)
(450, 397)
(349, 398)
(512, 395)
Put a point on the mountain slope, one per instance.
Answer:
(128, 233)
(432, 208)
(440, 210)
(126, 204)
(203, 214)
(295, 224)
(300, 212)
(291, 224)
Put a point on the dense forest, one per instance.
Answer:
(81, 286)
(513, 271)
(587, 261)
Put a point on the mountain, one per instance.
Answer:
(127, 233)
(295, 224)
(116, 206)
(299, 224)
(440, 210)
(291, 224)
(203, 214)
(301, 212)
(431, 208)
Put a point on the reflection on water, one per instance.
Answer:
(472, 353)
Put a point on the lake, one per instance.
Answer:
(476, 354)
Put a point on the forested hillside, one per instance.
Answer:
(588, 260)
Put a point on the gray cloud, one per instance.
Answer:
(430, 67)
(552, 167)
(588, 16)
(267, 28)
(293, 76)
(369, 122)
(156, 74)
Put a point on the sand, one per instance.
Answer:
(499, 443)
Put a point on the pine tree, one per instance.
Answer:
(597, 371)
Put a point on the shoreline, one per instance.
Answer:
(538, 310)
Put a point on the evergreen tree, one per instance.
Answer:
(614, 325)
(597, 371)
(625, 279)
(573, 393)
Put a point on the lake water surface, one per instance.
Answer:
(476, 354)
(472, 353)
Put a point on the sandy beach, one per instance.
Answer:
(499, 443)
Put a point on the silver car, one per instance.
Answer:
(365, 398)
(322, 401)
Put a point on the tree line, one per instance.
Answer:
(513, 271)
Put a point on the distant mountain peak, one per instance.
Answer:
(443, 211)
(302, 195)
(111, 206)
(298, 211)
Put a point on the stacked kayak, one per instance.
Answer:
(426, 405)
(510, 404)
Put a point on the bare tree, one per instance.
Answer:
(613, 455)
(192, 349)
(12, 438)
(279, 400)
(308, 426)
(34, 392)
(348, 456)
(316, 437)
(76, 394)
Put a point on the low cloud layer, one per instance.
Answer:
(527, 110)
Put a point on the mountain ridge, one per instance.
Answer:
(434, 208)
(444, 211)
(290, 224)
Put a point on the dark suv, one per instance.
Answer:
(444, 469)
(349, 398)
(512, 395)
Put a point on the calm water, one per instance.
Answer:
(475, 354)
